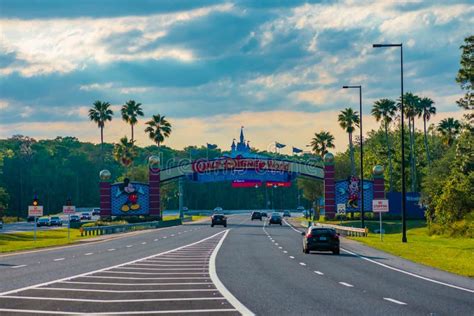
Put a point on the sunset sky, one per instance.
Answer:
(275, 67)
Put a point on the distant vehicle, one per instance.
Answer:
(75, 219)
(31, 219)
(275, 218)
(56, 221)
(320, 238)
(95, 211)
(264, 214)
(286, 214)
(300, 209)
(218, 219)
(185, 209)
(1, 224)
(43, 221)
(218, 210)
(256, 215)
(86, 216)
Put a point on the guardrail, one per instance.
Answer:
(114, 229)
(347, 231)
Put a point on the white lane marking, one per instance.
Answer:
(394, 301)
(220, 287)
(400, 270)
(144, 278)
(59, 259)
(135, 284)
(153, 273)
(302, 263)
(115, 301)
(409, 273)
(184, 311)
(296, 230)
(111, 249)
(172, 235)
(280, 247)
(155, 239)
(161, 269)
(19, 266)
(319, 272)
(276, 244)
(144, 243)
(124, 291)
(284, 251)
(346, 284)
(291, 257)
(165, 237)
(88, 254)
(108, 268)
(129, 246)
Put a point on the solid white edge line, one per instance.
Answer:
(68, 299)
(122, 291)
(400, 270)
(107, 268)
(120, 313)
(220, 286)
(19, 266)
(394, 301)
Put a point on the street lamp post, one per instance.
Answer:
(361, 156)
(404, 224)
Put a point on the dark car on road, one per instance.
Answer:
(56, 221)
(75, 219)
(256, 215)
(264, 214)
(275, 218)
(218, 219)
(43, 221)
(322, 239)
(96, 212)
(286, 214)
(31, 219)
(86, 216)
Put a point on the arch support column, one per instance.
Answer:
(104, 193)
(379, 182)
(154, 186)
(329, 186)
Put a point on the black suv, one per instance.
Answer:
(320, 238)
(218, 219)
(256, 215)
(275, 218)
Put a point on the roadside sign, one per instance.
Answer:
(380, 206)
(341, 209)
(69, 209)
(35, 210)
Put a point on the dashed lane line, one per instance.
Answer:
(88, 254)
(346, 284)
(394, 301)
(111, 249)
(302, 263)
(291, 257)
(59, 259)
(319, 272)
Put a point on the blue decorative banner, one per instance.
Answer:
(129, 198)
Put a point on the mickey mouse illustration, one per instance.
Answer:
(132, 196)
(353, 191)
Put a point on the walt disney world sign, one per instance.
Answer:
(201, 166)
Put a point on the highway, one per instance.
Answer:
(248, 268)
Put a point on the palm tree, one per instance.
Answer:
(125, 151)
(450, 129)
(384, 110)
(158, 129)
(101, 113)
(412, 110)
(321, 142)
(348, 119)
(427, 110)
(130, 113)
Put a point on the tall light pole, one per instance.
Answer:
(361, 155)
(404, 223)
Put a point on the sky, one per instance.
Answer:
(275, 67)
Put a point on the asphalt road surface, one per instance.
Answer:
(248, 268)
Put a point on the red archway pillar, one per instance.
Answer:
(329, 186)
(104, 192)
(379, 182)
(154, 186)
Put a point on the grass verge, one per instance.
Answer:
(44, 238)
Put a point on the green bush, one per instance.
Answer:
(10, 219)
(104, 223)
